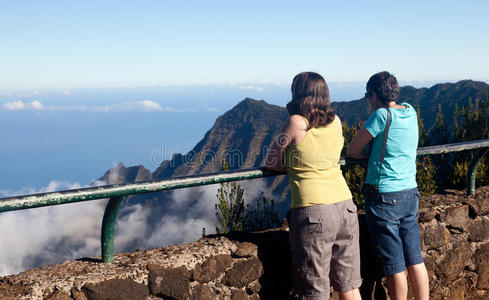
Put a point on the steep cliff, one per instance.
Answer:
(241, 136)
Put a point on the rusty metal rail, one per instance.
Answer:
(116, 192)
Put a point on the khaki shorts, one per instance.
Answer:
(324, 247)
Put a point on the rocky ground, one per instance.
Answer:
(455, 239)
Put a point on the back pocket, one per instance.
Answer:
(393, 205)
(315, 224)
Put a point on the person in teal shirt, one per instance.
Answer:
(399, 165)
(392, 199)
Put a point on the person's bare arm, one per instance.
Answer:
(293, 131)
(358, 145)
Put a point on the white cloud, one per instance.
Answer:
(52, 186)
(19, 105)
(19, 93)
(148, 105)
(175, 230)
(140, 106)
(48, 235)
(130, 227)
(36, 105)
(145, 106)
(251, 87)
(187, 217)
(14, 105)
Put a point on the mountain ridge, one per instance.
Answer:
(428, 99)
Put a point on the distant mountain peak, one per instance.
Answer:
(121, 174)
(245, 130)
(250, 103)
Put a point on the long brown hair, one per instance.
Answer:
(310, 99)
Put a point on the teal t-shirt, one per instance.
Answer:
(399, 167)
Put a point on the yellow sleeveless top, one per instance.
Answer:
(312, 165)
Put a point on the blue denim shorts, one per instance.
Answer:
(392, 220)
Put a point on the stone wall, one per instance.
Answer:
(455, 242)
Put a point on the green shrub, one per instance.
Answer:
(230, 209)
(459, 173)
(355, 176)
(262, 216)
(425, 176)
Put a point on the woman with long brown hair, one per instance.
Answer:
(322, 220)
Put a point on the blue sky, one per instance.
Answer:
(181, 64)
(66, 44)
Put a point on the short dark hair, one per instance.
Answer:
(310, 99)
(385, 86)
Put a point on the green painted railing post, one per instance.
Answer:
(108, 222)
(472, 169)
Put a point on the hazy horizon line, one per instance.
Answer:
(415, 83)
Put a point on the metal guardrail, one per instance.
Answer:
(116, 192)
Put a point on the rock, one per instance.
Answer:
(221, 290)
(253, 287)
(435, 235)
(274, 253)
(436, 292)
(13, 289)
(239, 295)
(455, 261)
(116, 289)
(196, 272)
(426, 214)
(202, 292)
(480, 205)
(479, 230)
(448, 290)
(254, 297)
(169, 282)
(481, 294)
(457, 217)
(244, 272)
(470, 283)
(77, 295)
(482, 266)
(430, 266)
(212, 268)
(457, 289)
(59, 295)
(246, 249)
